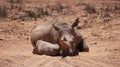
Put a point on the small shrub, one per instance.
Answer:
(117, 7)
(42, 12)
(3, 11)
(31, 14)
(90, 9)
(15, 1)
(19, 1)
(11, 1)
(55, 7)
(81, 4)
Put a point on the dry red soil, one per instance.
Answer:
(16, 48)
(104, 42)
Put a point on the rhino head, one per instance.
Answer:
(67, 36)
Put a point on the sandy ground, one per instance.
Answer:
(16, 48)
(104, 42)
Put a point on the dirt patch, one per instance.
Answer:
(16, 48)
(102, 35)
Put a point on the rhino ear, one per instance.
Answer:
(76, 23)
(56, 27)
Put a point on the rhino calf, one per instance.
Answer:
(46, 48)
(59, 33)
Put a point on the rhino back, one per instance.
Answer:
(44, 32)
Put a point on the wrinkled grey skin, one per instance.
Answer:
(47, 48)
(58, 29)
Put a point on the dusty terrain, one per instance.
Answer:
(16, 49)
(103, 40)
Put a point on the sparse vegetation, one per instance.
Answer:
(90, 9)
(15, 1)
(3, 12)
(13, 11)
(43, 11)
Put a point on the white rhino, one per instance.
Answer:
(57, 32)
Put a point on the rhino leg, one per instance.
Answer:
(34, 50)
(43, 47)
(82, 46)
